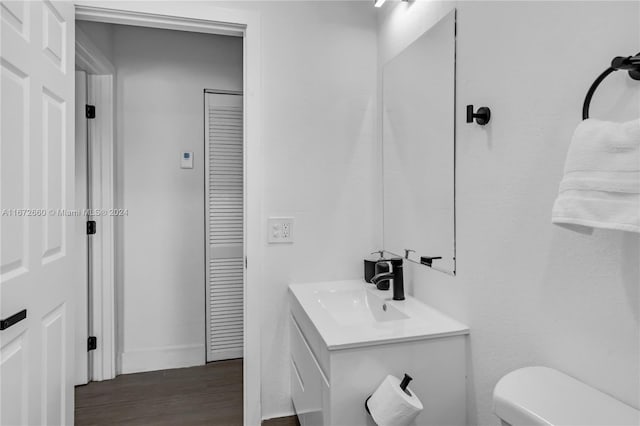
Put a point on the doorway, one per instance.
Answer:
(250, 389)
(94, 147)
(162, 170)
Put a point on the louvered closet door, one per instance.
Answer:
(225, 225)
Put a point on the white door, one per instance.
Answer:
(224, 185)
(39, 248)
(81, 316)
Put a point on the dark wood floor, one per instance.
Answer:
(205, 395)
(282, 421)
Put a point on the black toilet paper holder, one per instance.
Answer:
(403, 385)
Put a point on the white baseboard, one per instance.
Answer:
(163, 358)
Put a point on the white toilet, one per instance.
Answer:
(541, 396)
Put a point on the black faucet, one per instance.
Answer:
(396, 275)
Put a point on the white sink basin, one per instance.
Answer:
(359, 306)
(353, 313)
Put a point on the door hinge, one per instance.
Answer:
(92, 343)
(246, 263)
(90, 111)
(91, 227)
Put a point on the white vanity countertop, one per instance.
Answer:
(349, 314)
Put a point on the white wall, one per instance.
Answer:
(318, 136)
(160, 77)
(101, 35)
(532, 293)
(319, 96)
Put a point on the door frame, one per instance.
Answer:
(102, 315)
(203, 18)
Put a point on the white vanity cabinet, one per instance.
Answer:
(309, 386)
(330, 379)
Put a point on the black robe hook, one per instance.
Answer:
(482, 117)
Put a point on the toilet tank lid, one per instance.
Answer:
(544, 396)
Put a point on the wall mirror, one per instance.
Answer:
(419, 148)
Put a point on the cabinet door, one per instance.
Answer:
(308, 384)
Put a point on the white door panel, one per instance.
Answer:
(225, 225)
(13, 370)
(39, 248)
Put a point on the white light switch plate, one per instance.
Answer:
(280, 230)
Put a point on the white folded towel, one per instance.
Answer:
(601, 183)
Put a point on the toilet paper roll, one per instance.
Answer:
(391, 406)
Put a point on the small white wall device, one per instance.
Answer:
(280, 230)
(186, 160)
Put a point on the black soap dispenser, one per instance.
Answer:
(370, 266)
